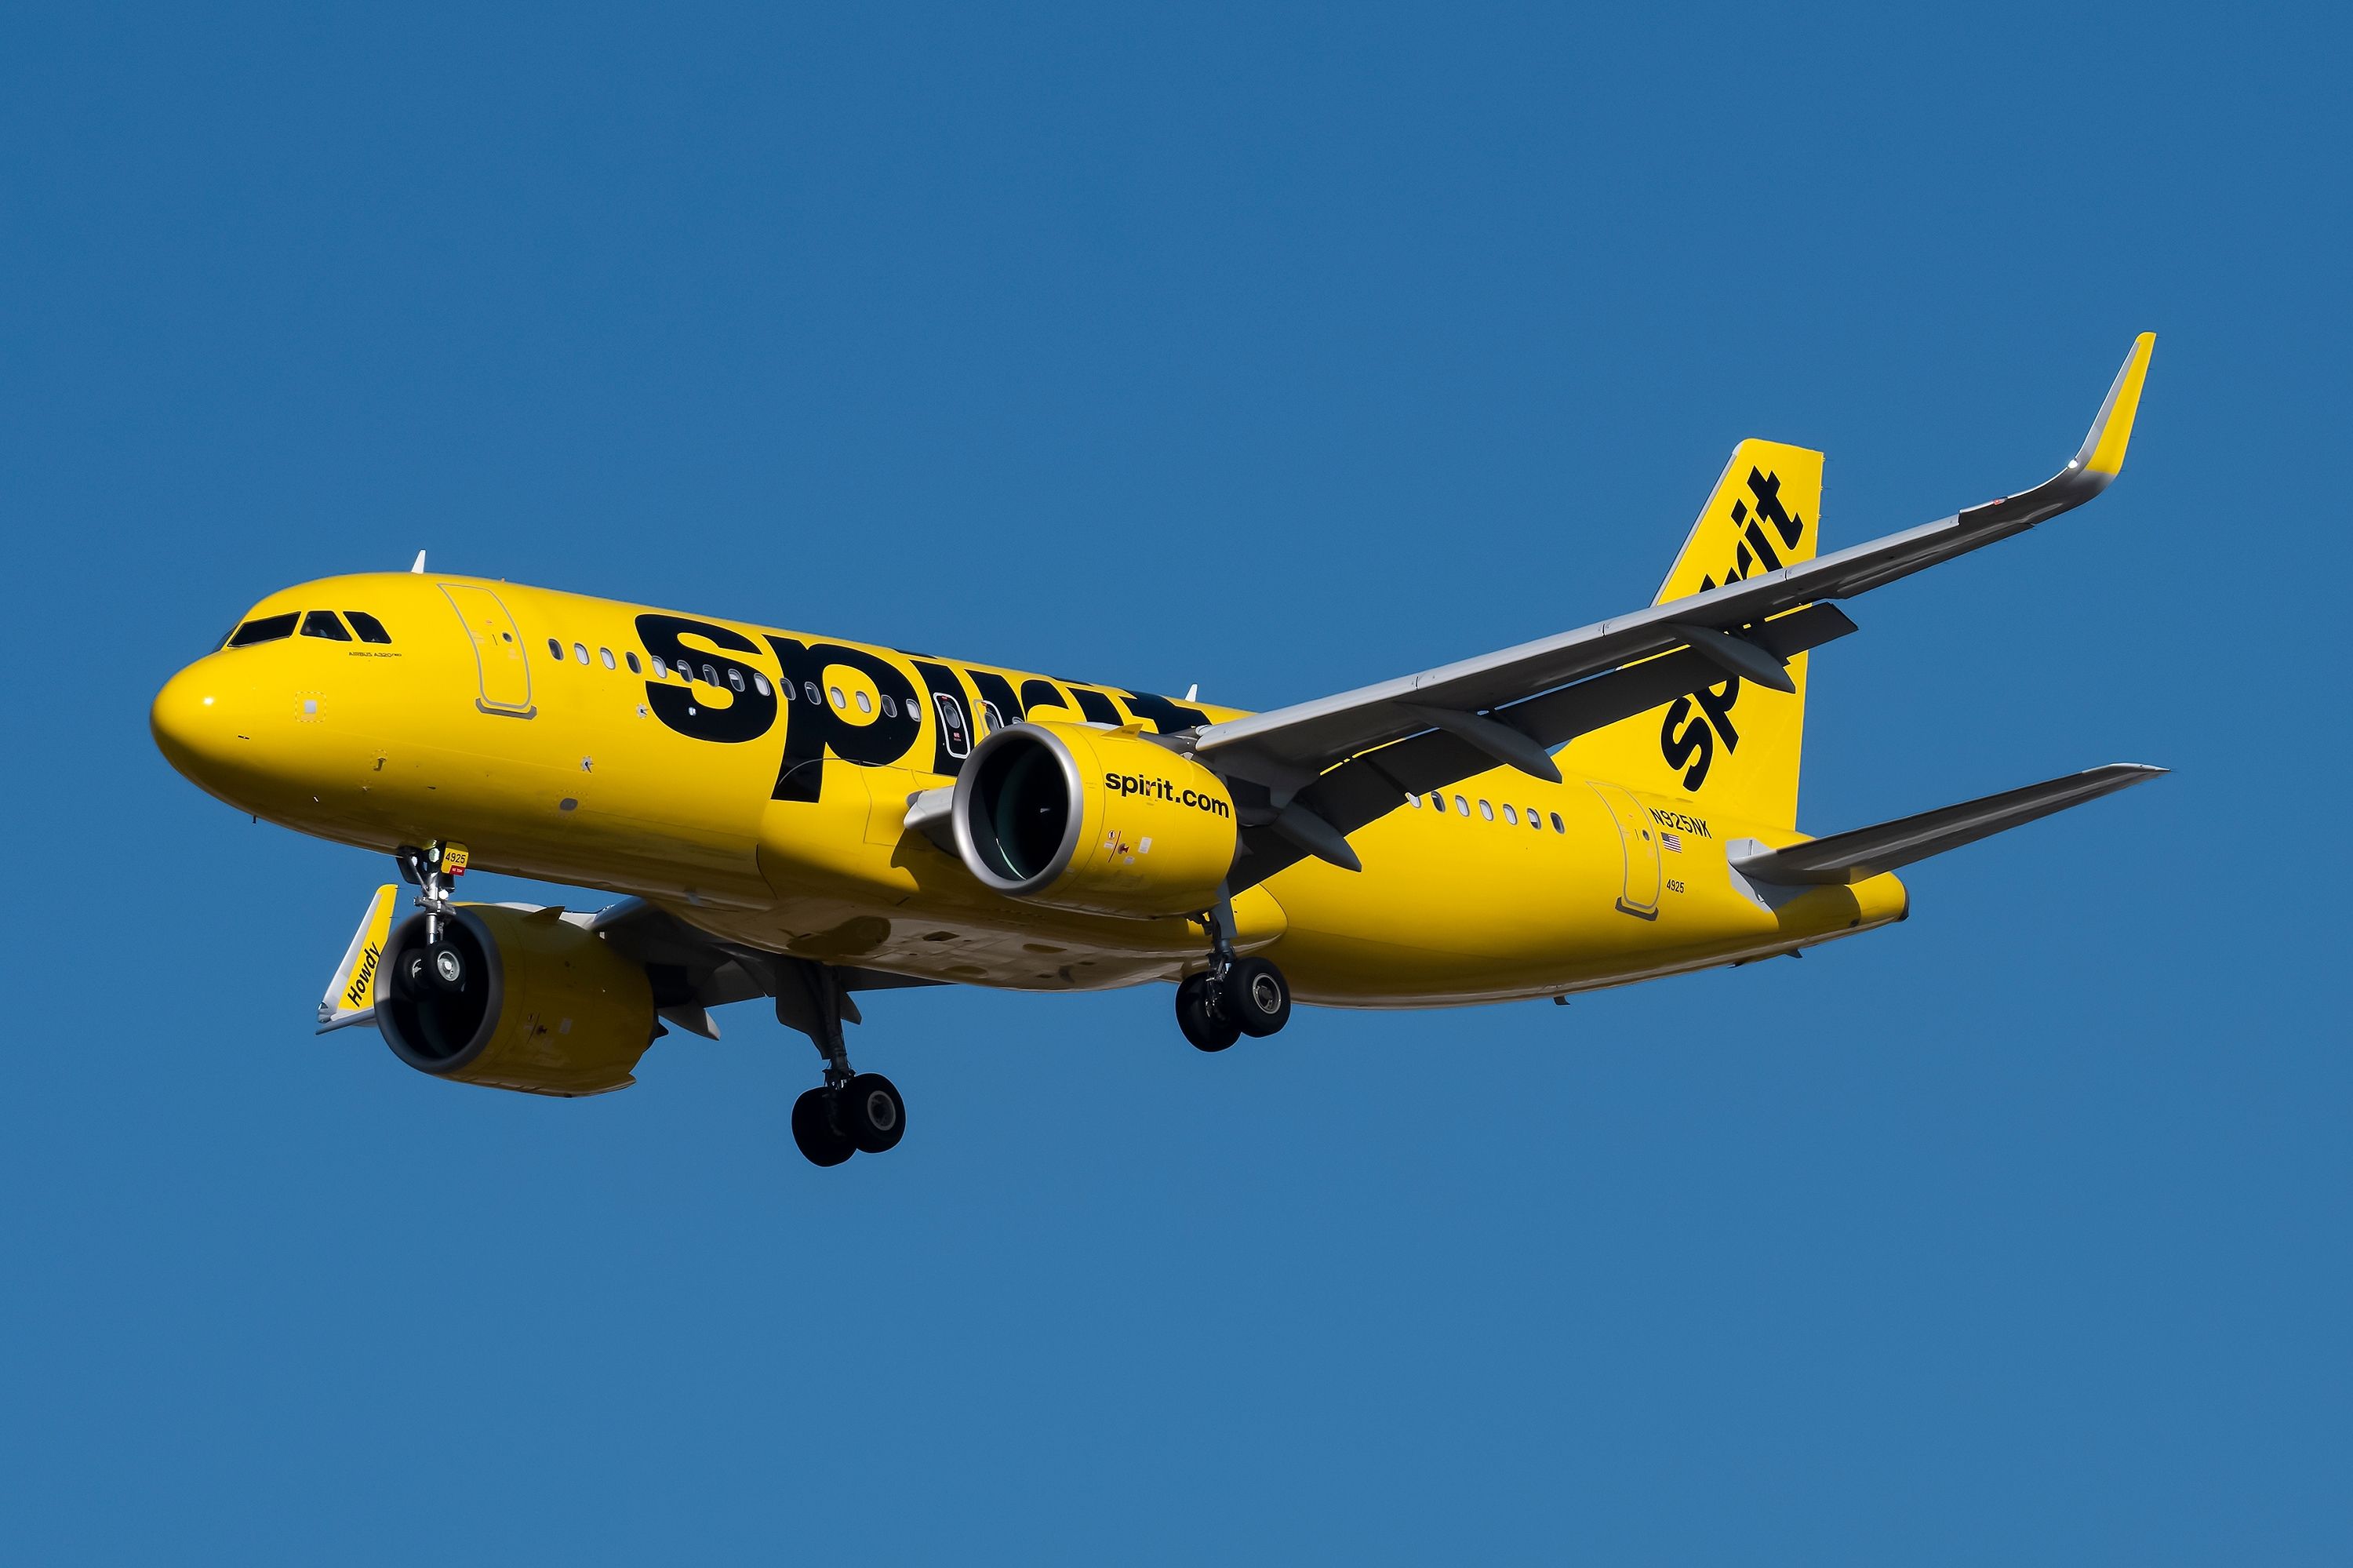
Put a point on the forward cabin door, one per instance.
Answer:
(1638, 837)
(499, 661)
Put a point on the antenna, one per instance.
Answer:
(420, 562)
(1193, 692)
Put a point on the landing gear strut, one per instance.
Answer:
(1234, 996)
(851, 1112)
(439, 964)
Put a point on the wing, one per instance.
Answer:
(693, 971)
(1324, 764)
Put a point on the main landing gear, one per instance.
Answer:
(1234, 996)
(851, 1113)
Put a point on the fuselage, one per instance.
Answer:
(754, 782)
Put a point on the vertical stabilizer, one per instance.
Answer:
(1734, 748)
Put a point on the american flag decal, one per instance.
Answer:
(1671, 840)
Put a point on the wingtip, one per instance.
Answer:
(2103, 454)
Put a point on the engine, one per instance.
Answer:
(515, 999)
(1093, 819)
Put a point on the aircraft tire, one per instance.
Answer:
(871, 1114)
(1256, 997)
(1206, 1029)
(820, 1142)
(409, 975)
(446, 966)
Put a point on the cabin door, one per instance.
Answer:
(502, 667)
(1638, 837)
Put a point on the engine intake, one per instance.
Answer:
(514, 999)
(1091, 820)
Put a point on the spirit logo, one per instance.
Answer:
(1697, 723)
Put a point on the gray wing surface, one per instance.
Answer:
(1330, 766)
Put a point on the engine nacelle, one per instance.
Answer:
(540, 1005)
(1094, 819)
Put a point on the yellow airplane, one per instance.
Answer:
(802, 819)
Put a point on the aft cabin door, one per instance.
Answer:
(503, 669)
(1638, 837)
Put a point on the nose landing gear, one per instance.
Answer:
(1234, 996)
(851, 1113)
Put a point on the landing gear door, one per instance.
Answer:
(499, 661)
(1639, 836)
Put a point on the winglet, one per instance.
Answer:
(2103, 453)
(2087, 473)
(351, 995)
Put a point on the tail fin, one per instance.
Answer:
(1735, 746)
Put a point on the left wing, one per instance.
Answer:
(1512, 706)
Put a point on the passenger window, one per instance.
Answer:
(322, 623)
(1461, 806)
(865, 704)
(837, 699)
(1511, 816)
(808, 688)
(607, 655)
(370, 628)
(890, 706)
(1414, 800)
(1555, 823)
(580, 651)
(635, 668)
(555, 650)
(709, 675)
(1439, 801)
(1533, 821)
(1486, 810)
(736, 678)
(263, 629)
(759, 683)
(994, 720)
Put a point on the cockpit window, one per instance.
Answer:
(322, 623)
(370, 628)
(263, 629)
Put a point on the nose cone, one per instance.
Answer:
(191, 725)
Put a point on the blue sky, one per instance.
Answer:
(1278, 350)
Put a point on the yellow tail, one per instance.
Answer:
(1734, 748)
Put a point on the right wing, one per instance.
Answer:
(1513, 706)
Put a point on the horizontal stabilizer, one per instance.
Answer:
(1867, 852)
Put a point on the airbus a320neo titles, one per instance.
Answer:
(806, 820)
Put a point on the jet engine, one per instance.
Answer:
(1104, 822)
(515, 999)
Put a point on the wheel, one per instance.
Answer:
(1203, 1025)
(1256, 997)
(871, 1114)
(446, 966)
(411, 975)
(820, 1142)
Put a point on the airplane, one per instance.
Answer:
(806, 820)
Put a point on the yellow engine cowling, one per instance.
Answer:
(1102, 822)
(545, 1007)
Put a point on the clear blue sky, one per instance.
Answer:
(1279, 350)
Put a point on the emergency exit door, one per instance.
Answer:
(500, 665)
(1637, 836)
